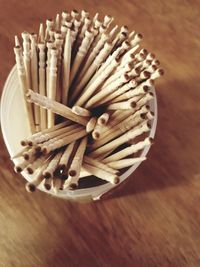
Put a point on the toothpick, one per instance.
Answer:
(32, 167)
(91, 70)
(51, 91)
(81, 111)
(41, 36)
(150, 56)
(51, 37)
(81, 54)
(95, 18)
(41, 147)
(21, 166)
(49, 45)
(109, 89)
(93, 54)
(64, 160)
(122, 105)
(48, 183)
(103, 119)
(75, 167)
(27, 57)
(20, 153)
(121, 91)
(50, 169)
(117, 73)
(84, 14)
(17, 43)
(63, 30)
(29, 154)
(97, 24)
(96, 132)
(151, 68)
(144, 75)
(158, 73)
(59, 45)
(69, 24)
(99, 164)
(134, 72)
(66, 68)
(128, 151)
(57, 22)
(130, 135)
(77, 26)
(120, 37)
(33, 138)
(118, 130)
(138, 91)
(85, 27)
(102, 174)
(107, 20)
(63, 141)
(119, 116)
(150, 115)
(42, 86)
(143, 64)
(45, 137)
(91, 125)
(124, 163)
(65, 16)
(127, 56)
(49, 26)
(55, 107)
(137, 39)
(74, 15)
(93, 86)
(101, 30)
(34, 78)
(113, 33)
(131, 35)
(36, 181)
(143, 101)
(24, 86)
(115, 55)
(139, 57)
(57, 183)
(148, 82)
(155, 62)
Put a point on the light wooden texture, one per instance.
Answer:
(151, 221)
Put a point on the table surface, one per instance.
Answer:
(153, 220)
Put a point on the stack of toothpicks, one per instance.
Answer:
(86, 85)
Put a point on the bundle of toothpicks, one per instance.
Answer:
(86, 85)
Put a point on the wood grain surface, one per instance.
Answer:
(154, 219)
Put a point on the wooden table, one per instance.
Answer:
(154, 219)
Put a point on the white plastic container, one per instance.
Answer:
(15, 127)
